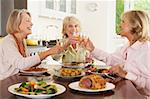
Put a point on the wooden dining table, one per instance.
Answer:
(124, 89)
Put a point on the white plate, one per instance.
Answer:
(102, 66)
(33, 72)
(75, 86)
(60, 88)
(68, 77)
(98, 67)
(81, 66)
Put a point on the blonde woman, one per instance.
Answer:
(132, 60)
(71, 25)
(71, 33)
(13, 52)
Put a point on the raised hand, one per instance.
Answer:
(88, 44)
(56, 49)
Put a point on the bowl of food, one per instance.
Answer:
(69, 73)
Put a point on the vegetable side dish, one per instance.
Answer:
(36, 88)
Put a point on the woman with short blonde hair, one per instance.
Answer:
(139, 23)
(132, 60)
(13, 56)
(73, 38)
(14, 21)
(68, 22)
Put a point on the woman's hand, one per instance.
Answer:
(119, 70)
(56, 49)
(89, 58)
(88, 44)
(71, 41)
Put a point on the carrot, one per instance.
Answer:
(24, 89)
(32, 83)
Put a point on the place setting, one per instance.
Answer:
(39, 85)
(69, 73)
(92, 84)
(36, 90)
(37, 70)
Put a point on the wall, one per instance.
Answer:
(0, 16)
(44, 27)
(98, 25)
(6, 7)
(20, 4)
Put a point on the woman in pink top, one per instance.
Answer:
(132, 60)
(13, 56)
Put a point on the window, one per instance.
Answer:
(142, 5)
(73, 6)
(62, 5)
(119, 11)
(57, 8)
(124, 5)
(50, 4)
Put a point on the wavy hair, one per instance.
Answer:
(139, 22)
(14, 20)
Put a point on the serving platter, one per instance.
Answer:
(37, 70)
(75, 86)
(75, 65)
(57, 74)
(60, 89)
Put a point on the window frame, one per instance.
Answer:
(55, 13)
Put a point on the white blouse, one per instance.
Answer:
(136, 62)
(11, 61)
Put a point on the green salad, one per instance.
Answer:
(36, 88)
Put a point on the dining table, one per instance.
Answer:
(124, 89)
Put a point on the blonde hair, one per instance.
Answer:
(139, 22)
(14, 20)
(68, 20)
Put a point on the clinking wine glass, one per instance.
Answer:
(83, 37)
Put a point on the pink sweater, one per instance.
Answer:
(11, 61)
(136, 62)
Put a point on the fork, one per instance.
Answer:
(113, 78)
